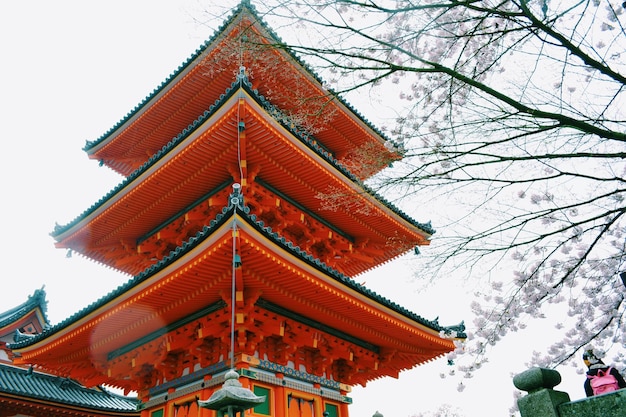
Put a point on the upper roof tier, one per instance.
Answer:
(289, 181)
(243, 41)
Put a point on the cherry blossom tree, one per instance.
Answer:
(511, 117)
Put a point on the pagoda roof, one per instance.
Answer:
(37, 387)
(288, 172)
(36, 304)
(35, 301)
(193, 86)
(278, 271)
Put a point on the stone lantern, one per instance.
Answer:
(232, 398)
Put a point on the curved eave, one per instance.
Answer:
(205, 155)
(35, 315)
(178, 286)
(33, 308)
(189, 91)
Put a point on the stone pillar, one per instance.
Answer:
(541, 400)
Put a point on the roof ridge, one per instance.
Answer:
(195, 55)
(243, 7)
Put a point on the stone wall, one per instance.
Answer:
(606, 405)
(542, 400)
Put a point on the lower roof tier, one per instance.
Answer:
(264, 331)
(287, 305)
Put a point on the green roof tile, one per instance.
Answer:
(38, 299)
(34, 385)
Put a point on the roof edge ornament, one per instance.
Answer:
(19, 336)
(242, 73)
(236, 197)
(456, 331)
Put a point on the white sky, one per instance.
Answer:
(71, 70)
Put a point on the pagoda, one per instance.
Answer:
(242, 218)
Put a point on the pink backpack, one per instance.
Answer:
(603, 382)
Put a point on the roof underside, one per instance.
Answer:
(215, 152)
(201, 275)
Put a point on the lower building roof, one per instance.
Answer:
(32, 385)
